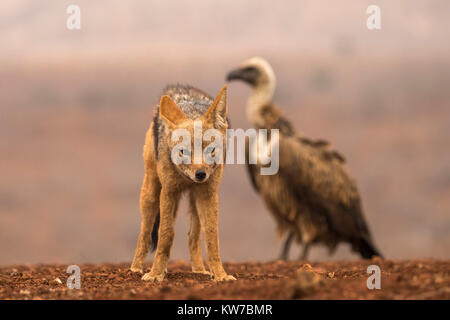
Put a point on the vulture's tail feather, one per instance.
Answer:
(367, 249)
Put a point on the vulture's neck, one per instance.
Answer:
(261, 97)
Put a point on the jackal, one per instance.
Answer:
(165, 180)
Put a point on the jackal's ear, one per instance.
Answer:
(170, 112)
(217, 112)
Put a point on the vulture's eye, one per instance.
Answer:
(249, 69)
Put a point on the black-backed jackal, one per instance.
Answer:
(181, 108)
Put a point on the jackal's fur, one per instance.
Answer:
(164, 182)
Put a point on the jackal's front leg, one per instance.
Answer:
(149, 202)
(207, 204)
(168, 207)
(195, 243)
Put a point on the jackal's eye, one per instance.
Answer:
(211, 151)
(184, 152)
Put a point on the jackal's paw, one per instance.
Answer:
(225, 277)
(153, 278)
(136, 269)
(137, 266)
(202, 272)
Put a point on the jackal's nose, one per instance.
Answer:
(200, 175)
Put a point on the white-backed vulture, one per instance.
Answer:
(312, 197)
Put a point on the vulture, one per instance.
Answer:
(312, 198)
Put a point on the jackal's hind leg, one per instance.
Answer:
(195, 241)
(149, 203)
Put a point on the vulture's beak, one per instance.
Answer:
(247, 74)
(236, 74)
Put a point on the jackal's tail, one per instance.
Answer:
(155, 232)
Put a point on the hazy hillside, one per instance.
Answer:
(38, 27)
(75, 105)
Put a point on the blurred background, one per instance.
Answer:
(75, 106)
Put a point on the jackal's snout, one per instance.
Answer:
(200, 175)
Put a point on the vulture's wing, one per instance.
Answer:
(319, 180)
(252, 169)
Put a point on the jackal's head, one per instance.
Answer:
(197, 145)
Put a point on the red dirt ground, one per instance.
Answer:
(412, 279)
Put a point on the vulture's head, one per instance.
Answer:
(254, 71)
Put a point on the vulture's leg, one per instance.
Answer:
(287, 245)
(304, 254)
